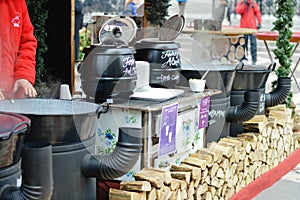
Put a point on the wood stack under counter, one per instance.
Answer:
(224, 167)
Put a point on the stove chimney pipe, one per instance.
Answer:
(37, 176)
(247, 110)
(278, 95)
(120, 161)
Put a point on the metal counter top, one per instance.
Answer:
(150, 106)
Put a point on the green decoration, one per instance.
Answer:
(283, 51)
(38, 16)
(283, 24)
(157, 11)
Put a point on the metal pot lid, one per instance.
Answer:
(172, 28)
(155, 43)
(11, 123)
(58, 107)
(117, 31)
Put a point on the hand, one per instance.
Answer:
(24, 84)
(259, 26)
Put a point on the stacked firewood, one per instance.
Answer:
(221, 169)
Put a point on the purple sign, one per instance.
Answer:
(167, 139)
(204, 112)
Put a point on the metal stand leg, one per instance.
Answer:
(296, 65)
(268, 50)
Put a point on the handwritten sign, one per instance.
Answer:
(204, 112)
(170, 58)
(129, 67)
(167, 139)
(165, 78)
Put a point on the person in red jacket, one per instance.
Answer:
(250, 18)
(17, 51)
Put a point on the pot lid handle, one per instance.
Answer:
(171, 28)
(272, 66)
(117, 31)
(239, 66)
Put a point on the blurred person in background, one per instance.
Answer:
(78, 26)
(17, 51)
(250, 18)
(181, 4)
(222, 12)
(130, 7)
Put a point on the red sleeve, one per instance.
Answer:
(25, 62)
(257, 13)
(240, 7)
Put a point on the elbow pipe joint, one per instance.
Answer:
(281, 92)
(37, 183)
(120, 161)
(247, 110)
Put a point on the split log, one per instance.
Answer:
(213, 170)
(185, 176)
(232, 140)
(224, 163)
(220, 173)
(195, 171)
(115, 194)
(204, 175)
(136, 186)
(165, 192)
(155, 177)
(184, 194)
(208, 196)
(152, 195)
(191, 191)
(212, 190)
(208, 158)
(195, 162)
(176, 195)
(175, 184)
(216, 155)
(227, 151)
(256, 124)
(215, 182)
(201, 189)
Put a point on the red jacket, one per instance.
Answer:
(17, 44)
(250, 14)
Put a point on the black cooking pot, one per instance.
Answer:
(108, 71)
(220, 77)
(13, 127)
(56, 121)
(252, 77)
(164, 60)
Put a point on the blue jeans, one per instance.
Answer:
(253, 47)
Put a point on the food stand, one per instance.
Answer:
(148, 116)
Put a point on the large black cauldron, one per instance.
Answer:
(164, 60)
(109, 72)
(56, 121)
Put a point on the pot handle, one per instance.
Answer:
(103, 108)
(6, 137)
(273, 64)
(239, 66)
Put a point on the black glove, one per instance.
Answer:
(258, 26)
(245, 2)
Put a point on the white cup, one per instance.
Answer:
(197, 85)
(65, 92)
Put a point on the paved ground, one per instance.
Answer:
(288, 188)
